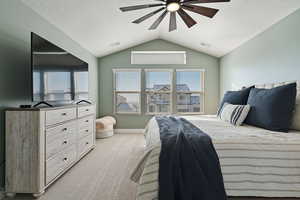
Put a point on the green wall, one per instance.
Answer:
(272, 56)
(16, 23)
(122, 60)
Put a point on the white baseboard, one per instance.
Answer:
(139, 131)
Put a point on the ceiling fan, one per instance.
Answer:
(173, 7)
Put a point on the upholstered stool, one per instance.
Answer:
(105, 127)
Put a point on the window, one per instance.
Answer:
(158, 57)
(158, 90)
(127, 91)
(190, 91)
(57, 86)
(163, 93)
(37, 95)
(81, 85)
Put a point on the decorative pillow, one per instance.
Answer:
(235, 97)
(234, 114)
(296, 117)
(272, 109)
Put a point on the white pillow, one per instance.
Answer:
(234, 114)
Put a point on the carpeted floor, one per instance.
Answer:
(103, 174)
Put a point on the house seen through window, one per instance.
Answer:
(127, 91)
(165, 91)
(158, 91)
(189, 91)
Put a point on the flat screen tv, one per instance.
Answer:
(57, 75)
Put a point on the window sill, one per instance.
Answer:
(158, 113)
(124, 113)
(191, 113)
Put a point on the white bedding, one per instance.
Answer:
(222, 132)
(254, 161)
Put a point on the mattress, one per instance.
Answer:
(254, 161)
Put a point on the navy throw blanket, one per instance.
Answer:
(189, 164)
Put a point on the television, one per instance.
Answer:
(58, 77)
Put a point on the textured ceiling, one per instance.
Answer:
(100, 27)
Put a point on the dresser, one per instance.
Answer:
(42, 144)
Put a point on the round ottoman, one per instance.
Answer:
(105, 127)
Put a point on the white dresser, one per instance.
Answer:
(42, 144)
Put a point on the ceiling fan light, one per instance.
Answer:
(173, 7)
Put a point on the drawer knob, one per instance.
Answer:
(63, 114)
(87, 121)
(65, 129)
(87, 143)
(87, 110)
(86, 130)
(65, 142)
(65, 159)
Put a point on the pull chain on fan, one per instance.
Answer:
(173, 7)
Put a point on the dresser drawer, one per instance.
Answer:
(85, 132)
(60, 115)
(59, 163)
(85, 110)
(85, 126)
(60, 137)
(85, 144)
(86, 122)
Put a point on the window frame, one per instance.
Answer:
(115, 92)
(154, 53)
(47, 92)
(201, 92)
(143, 104)
(145, 93)
(76, 80)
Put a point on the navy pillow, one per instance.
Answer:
(235, 97)
(272, 109)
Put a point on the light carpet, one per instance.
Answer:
(103, 174)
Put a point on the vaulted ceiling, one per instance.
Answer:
(100, 27)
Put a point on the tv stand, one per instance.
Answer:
(55, 139)
(83, 101)
(41, 103)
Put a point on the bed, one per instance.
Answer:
(254, 161)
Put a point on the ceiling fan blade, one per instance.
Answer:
(188, 20)
(208, 12)
(138, 7)
(173, 24)
(203, 1)
(158, 21)
(147, 16)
